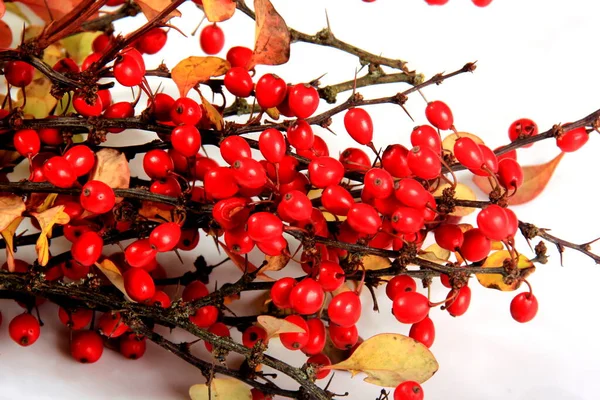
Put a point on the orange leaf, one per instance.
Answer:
(214, 116)
(151, 8)
(272, 37)
(49, 10)
(5, 33)
(9, 234)
(11, 208)
(218, 10)
(47, 219)
(535, 179)
(194, 70)
(111, 271)
(111, 168)
(241, 263)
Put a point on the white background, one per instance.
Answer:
(536, 59)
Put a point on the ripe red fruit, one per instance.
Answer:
(132, 347)
(249, 173)
(468, 153)
(270, 91)
(73, 270)
(476, 245)
(105, 97)
(161, 106)
(212, 39)
(364, 218)
(489, 164)
(343, 338)
(493, 223)
(411, 193)
(439, 115)
(165, 236)
(423, 332)
(239, 56)
(331, 276)
(307, 297)
(111, 324)
(513, 222)
(239, 82)
(272, 145)
(18, 73)
(572, 140)
(482, 3)
(378, 183)
(359, 125)
(186, 111)
(510, 174)
(87, 347)
(426, 136)
(524, 307)
(205, 316)
(219, 329)
(303, 100)
(160, 299)
(87, 249)
(424, 162)
(295, 206)
(320, 360)
(24, 329)
(122, 109)
(273, 247)
(186, 140)
(434, 3)
(128, 71)
(410, 307)
(140, 253)
(27, 142)
(92, 108)
(252, 335)
(280, 292)
(325, 171)
(407, 220)
(189, 239)
(460, 304)
(157, 164)
(395, 160)
(75, 319)
(295, 340)
(152, 41)
(49, 136)
(400, 284)
(220, 182)
(264, 226)
(449, 237)
(100, 43)
(139, 284)
(317, 336)
(193, 291)
(337, 200)
(81, 159)
(89, 60)
(521, 128)
(300, 135)
(345, 309)
(168, 186)
(97, 197)
(238, 240)
(231, 212)
(65, 65)
(233, 148)
(355, 160)
(411, 390)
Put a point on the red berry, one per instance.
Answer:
(24, 329)
(87, 249)
(73, 270)
(317, 336)
(138, 284)
(264, 226)
(400, 284)
(359, 125)
(295, 206)
(325, 171)
(122, 109)
(395, 160)
(411, 193)
(434, 3)
(343, 337)
(193, 291)
(186, 111)
(65, 65)
(128, 71)
(331, 276)
(270, 91)
(460, 304)
(426, 136)
(468, 153)
(345, 309)
(231, 212)
(307, 297)
(303, 100)
(449, 237)
(233, 148)
(572, 140)
(521, 128)
(111, 324)
(92, 108)
(105, 97)
(189, 239)
(219, 329)
(492, 222)
(186, 140)
(87, 347)
(411, 390)
(490, 162)
(295, 340)
(238, 240)
(81, 159)
(212, 39)
(439, 115)
(300, 135)
(27, 142)
(272, 145)
(476, 245)
(407, 220)
(510, 174)
(101, 42)
(320, 360)
(132, 347)
(249, 173)
(89, 60)
(378, 183)
(152, 41)
(157, 164)
(355, 160)
(423, 332)
(280, 292)
(523, 307)
(75, 319)
(337, 200)
(220, 182)
(252, 335)
(239, 82)
(168, 186)
(18, 73)
(160, 299)
(410, 307)
(165, 236)
(364, 218)
(203, 165)
(50, 136)
(161, 106)
(513, 222)
(97, 197)
(205, 316)
(482, 3)
(239, 56)
(140, 253)
(424, 162)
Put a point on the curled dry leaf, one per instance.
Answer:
(450, 140)
(461, 192)
(535, 179)
(435, 253)
(194, 70)
(40, 202)
(6, 36)
(111, 271)
(49, 10)
(373, 263)
(151, 8)
(495, 281)
(156, 212)
(218, 10)
(274, 326)
(221, 389)
(111, 168)
(214, 116)
(9, 234)
(276, 263)
(244, 265)
(47, 219)
(272, 36)
(11, 208)
(389, 359)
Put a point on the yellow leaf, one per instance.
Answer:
(194, 70)
(11, 207)
(39, 99)
(371, 262)
(79, 46)
(47, 219)
(52, 54)
(8, 234)
(110, 270)
(462, 192)
(32, 31)
(65, 105)
(272, 36)
(435, 253)
(214, 116)
(221, 389)
(390, 359)
(46, 203)
(494, 281)
(273, 112)
(275, 326)
(218, 10)
(151, 8)
(535, 179)
(111, 168)
(13, 8)
(450, 140)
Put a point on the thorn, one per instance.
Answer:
(178, 255)
(561, 250)
(423, 96)
(407, 113)
(315, 82)
(328, 24)
(587, 245)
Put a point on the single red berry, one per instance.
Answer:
(476, 245)
(122, 109)
(345, 309)
(91, 108)
(128, 71)
(231, 212)
(411, 193)
(221, 183)
(205, 317)
(572, 140)
(132, 347)
(189, 239)
(337, 200)
(101, 42)
(239, 56)
(73, 270)
(233, 148)
(523, 307)
(280, 292)
(468, 153)
(460, 301)
(87, 347)
(426, 136)
(424, 162)
(489, 165)
(27, 142)
(66, 65)
(270, 91)
(81, 159)
(249, 173)
(318, 149)
(219, 329)
(400, 284)
(331, 276)
(160, 299)
(24, 329)
(75, 319)
(50, 136)
(320, 360)
(89, 60)
(252, 335)
(212, 39)
(238, 240)
(521, 128)
(295, 340)
(307, 297)
(482, 3)
(239, 82)
(492, 222)
(513, 222)
(152, 42)
(113, 3)
(203, 165)
(423, 332)
(410, 307)
(364, 218)
(18, 73)
(407, 220)
(359, 125)
(186, 111)
(449, 237)
(97, 197)
(140, 253)
(161, 106)
(343, 337)
(258, 395)
(193, 291)
(165, 236)
(138, 284)
(439, 115)
(295, 206)
(378, 183)
(300, 135)
(157, 164)
(111, 324)
(395, 160)
(273, 247)
(317, 336)
(411, 390)
(168, 186)
(510, 174)
(355, 160)
(87, 249)
(186, 140)
(303, 100)
(325, 171)
(264, 226)
(272, 145)
(105, 97)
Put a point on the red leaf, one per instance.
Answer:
(5, 32)
(218, 10)
(535, 179)
(57, 8)
(272, 44)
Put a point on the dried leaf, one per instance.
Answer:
(227, 300)
(79, 46)
(275, 326)
(240, 262)
(11, 208)
(276, 263)
(218, 10)
(8, 234)
(435, 253)
(272, 37)
(151, 8)
(389, 359)
(462, 192)
(495, 281)
(156, 212)
(47, 219)
(57, 8)
(111, 271)
(8, 158)
(221, 389)
(6, 36)
(273, 112)
(450, 140)
(39, 99)
(111, 168)
(13, 8)
(40, 202)
(214, 116)
(371, 262)
(535, 179)
(194, 70)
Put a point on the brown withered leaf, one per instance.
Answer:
(47, 219)
(221, 389)
(389, 359)
(11, 208)
(273, 112)
(242, 265)
(495, 281)
(194, 70)
(6, 36)
(151, 8)
(8, 158)
(111, 168)
(156, 212)
(372, 262)
(58, 8)
(276, 263)
(218, 10)
(272, 36)
(9, 234)
(111, 271)
(535, 180)
(214, 116)
(275, 326)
